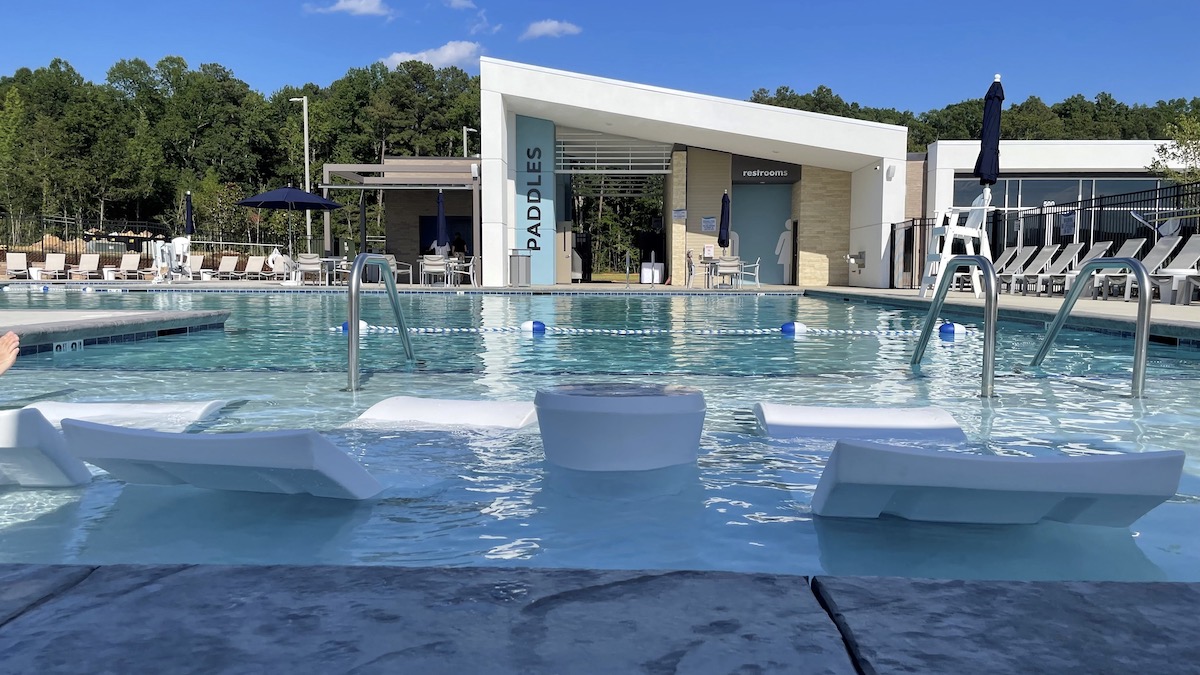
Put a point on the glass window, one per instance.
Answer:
(965, 191)
(1036, 191)
(1106, 187)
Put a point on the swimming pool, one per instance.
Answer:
(475, 498)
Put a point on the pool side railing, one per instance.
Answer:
(1141, 333)
(991, 313)
(354, 289)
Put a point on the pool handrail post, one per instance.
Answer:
(991, 312)
(1141, 331)
(354, 286)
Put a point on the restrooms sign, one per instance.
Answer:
(535, 196)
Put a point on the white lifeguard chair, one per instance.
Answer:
(972, 233)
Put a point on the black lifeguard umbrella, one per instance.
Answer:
(189, 222)
(723, 228)
(987, 165)
(291, 199)
(443, 232)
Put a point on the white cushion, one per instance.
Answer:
(33, 453)
(796, 421)
(865, 480)
(288, 462)
(451, 412)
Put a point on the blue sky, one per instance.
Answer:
(916, 55)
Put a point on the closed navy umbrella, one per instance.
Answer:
(189, 223)
(987, 165)
(723, 231)
(443, 232)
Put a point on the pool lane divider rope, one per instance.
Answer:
(538, 328)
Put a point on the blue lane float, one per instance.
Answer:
(539, 328)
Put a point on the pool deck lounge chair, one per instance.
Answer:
(1036, 265)
(1036, 279)
(1106, 281)
(1128, 250)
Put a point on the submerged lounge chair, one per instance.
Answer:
(299, 461)
(33, 453)
(449, 413)
(863, 479)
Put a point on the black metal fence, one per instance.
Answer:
(1148, 214)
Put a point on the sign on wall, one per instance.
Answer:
(535, 196)
(708, 224)
(756, 170)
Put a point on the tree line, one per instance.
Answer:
(128, 148)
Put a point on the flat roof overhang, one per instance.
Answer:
(672, 116)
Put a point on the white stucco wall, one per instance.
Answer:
(946, 158)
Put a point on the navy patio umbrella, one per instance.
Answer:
(443, 232)
(290, 199)
(723, 228)
(987, 165)
(189, 222)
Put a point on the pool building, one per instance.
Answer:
(806, 190)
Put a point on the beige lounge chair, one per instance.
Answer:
(255, 265)
(17, 267)
(130, 267)
(88, 267)
(55, 266)
(227, 268)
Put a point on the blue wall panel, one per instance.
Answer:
(535, 195)
(758, 214)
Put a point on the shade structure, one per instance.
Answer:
(189, 223)
(290, 199)
(443, 232)
(987, 165)
(723, 228)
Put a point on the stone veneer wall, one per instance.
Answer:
(821, 201)
(914, 189)
(675, 197)
(402, 219)
(708, 177)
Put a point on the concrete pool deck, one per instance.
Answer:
(246, 619)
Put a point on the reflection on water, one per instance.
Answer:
(1046, 551)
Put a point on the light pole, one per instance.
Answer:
(465, 130)
(307, 179)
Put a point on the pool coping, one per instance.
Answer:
(62, 331)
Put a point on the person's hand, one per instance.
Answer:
(10, 346)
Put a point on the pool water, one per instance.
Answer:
(487, 498)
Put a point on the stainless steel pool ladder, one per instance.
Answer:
(990, 312)
(1141, 333)
(355, 286)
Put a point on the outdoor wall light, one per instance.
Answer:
(890, 173)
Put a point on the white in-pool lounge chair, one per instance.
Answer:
(160, 415)
(33, 453)
(439, 412)
(863, 479)
(803, 421)
(297, 461)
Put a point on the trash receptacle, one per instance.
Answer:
(519, 265)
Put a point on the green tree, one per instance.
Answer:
(1179, 159)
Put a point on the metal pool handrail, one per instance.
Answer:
(355, 286)
(990, 313)
(1141, 333)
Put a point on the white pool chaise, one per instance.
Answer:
(33, 453)
(162, 416)
(450, 412)
(866, 480)
(288, 462)
(801, 421)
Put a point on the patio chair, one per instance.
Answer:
(1128, 250)
(433, 266)
(1107, 282)
(195, 265)
(399, 269)
(309, 264)
(16, 266)
(88, 267)
(999, 264)
(464, 268)
(255, 265)
(728, 267)
(750, 272)
(55, 266)
(1064, 260)
(1168, 280)
(1034, 266)
(227, 267)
